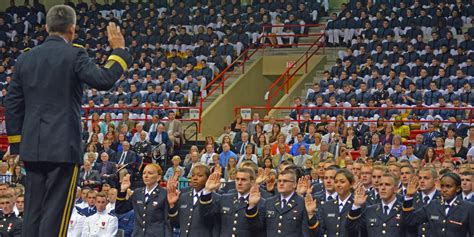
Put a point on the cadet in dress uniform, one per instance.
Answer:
(101, 224)
(184, 212)
(381, 219)
(450, 216)
(284, 214)
(331, 217)
(76, 223)
(149, 203)
(329, 193)
(230, 208)
(10, 225)
(424, 197)
(43, 117)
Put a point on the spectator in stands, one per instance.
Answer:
(170, 172)
(89, 178)
(173, 126)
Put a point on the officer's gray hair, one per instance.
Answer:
(59, 18)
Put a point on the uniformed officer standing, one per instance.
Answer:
(184, 209)
(149, 203)
(43, 117)
(10, 225)
(230, 208)
(381, 219)
(101, 224)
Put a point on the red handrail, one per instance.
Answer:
(286, 73)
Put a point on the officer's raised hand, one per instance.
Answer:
(360, 197)
(116, 39)
(125, 183)
(254, 196)
(213, 183)
(310, 204)
(303, 185)
(412, 187)
(172, 191)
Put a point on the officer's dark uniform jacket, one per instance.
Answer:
(375, 222)
(10, 225)
(422, 229)
(332, 223)
(43, 105)
(231, 213)
(458, 222)
(151, 217)
(289, 221)
(185, 215)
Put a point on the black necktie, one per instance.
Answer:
(146, 197)
(330, 198)
(341, 206)
(242, 199)
(447, 208)
(386, 208)
(426, 200)
(284, 203)
(195, 199)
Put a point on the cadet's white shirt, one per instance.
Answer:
(76, 223)
(100, 225)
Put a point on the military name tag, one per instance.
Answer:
(270, 212)
(434, 218)
(373, 220)
(183, 206)
(139, 202)
(155, 204)
(331, 214)
(226, 208)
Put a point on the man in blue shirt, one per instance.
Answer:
(226, 154)
(294, 149)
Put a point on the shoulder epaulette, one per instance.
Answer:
(78, 46)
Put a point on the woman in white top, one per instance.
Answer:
(91, 151)
(248, 155)
(96, 131)
(450, 139)
(316, 146)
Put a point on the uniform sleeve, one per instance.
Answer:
(113, 227)
(123, 205)
(355, 219)
(102, 78)
(209, 208)
(15, 112)
(80, 225)
(18, 228)
(412, 217)
(85, 229)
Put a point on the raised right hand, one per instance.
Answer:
(413, 186)
(115, 36)
(310, 204)
(254, 196)
(172, 191)
(360, 197)
(213, 182)
(125, 183)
